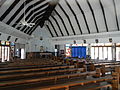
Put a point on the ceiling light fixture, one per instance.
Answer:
(24, 22)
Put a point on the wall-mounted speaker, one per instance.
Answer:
(74, 41)
(16, 39)
(84, 41)
(57, 46)
(8, 38)
(110, 40)
(96, 40)
(41, 38)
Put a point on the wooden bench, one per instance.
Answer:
(107, 65)
(75, 83)
(106, 68)
(55, 78)
(35, 69)
(113, 79)
(31, 66)
(111, 63)
(93, 86)
(41, 73)
(33, 61)
(109, 68)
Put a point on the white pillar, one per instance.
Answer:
(8, 57)
(114, 52)
(3, 60)
(89, 50)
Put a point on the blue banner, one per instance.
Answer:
(79, 51)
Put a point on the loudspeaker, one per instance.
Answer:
(16, 39)
(8, 38)
(41, 38)
(74, 41)
(96, 40)
(57, 46)
(110, 40)
(84, 41)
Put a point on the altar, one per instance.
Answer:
(45, 54)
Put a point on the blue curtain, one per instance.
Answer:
(79, 51)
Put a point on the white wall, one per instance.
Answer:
(35, 43)
(62, 47)
(12, 39)
(90, 38)
(7, 30)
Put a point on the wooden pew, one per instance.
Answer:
(55, 78)
(106, 68)
(96, 73)
(34, 61)
(110, 69)
(112, 66)
(115, 63)
(41, 73)
(91, 67)
(75, 83)
(28, 67)
(35, 69)
(113, 79)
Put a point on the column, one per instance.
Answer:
(114, 51)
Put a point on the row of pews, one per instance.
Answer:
(33, 61)
(65, 77)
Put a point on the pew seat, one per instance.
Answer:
(75, 83)
(55, 78)
(21, 75)
(35, 69)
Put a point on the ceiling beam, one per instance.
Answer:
(49, 30)
(23, 28)
(34, 15)
(34, 19)
(57, 25)
(52, 5)
(18, 11)
(26, 11)
(37, 21)
(74, 16)
(93, 15)
(35, 10)
(33, 29)
(103, 11)
(67, 18)
(62, 22)
(83, 16)
(9, 9)
(2, 2)
(114, 4)
(53, 28)
(88, 36)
